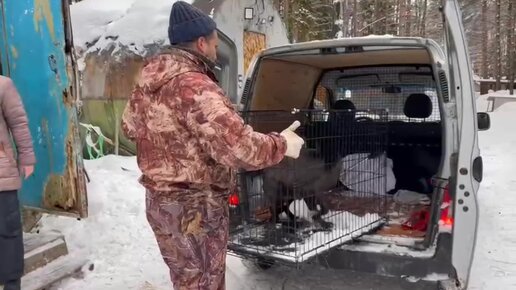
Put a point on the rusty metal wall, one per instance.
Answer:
(36, 53)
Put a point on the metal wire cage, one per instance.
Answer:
(335, 191)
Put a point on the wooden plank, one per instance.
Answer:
(32, 241)
(53, 272)
(44, 254)
(56, 211)
(30, 219)
(254, 42)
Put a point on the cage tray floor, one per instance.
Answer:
(297, 245)
(396, 213)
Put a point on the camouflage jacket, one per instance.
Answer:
(187, 133)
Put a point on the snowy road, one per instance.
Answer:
(312, 278)
(117, 239)
(495, 260)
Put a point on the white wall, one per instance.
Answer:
(230, 20)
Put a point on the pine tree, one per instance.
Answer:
(491, 40)
(485, 68)
(511, 45)
(308, 20)
(498, 44)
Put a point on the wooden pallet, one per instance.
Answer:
(52, 272)
(47, 261)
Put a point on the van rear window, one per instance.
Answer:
(385, 87)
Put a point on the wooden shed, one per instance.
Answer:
(109, 72)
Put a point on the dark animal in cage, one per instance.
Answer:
(305, 178)
(346, 131)
(332, 185)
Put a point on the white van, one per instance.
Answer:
(427, 93)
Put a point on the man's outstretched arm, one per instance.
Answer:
(223, 134)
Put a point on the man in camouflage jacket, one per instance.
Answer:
(189, 140)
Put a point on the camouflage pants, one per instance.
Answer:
(192, 236)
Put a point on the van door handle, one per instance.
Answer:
(478, 169)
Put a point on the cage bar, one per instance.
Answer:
(334, 192)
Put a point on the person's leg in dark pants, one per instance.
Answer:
(13, 285)
(11, 241)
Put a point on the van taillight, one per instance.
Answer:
(233, 200)
(446, 213)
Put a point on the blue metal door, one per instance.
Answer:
(36, 52)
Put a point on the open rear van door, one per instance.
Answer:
(467, 164)
(227, 66)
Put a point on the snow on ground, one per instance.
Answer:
(119, 242)
(495, 259)
(483, 104)
(115, 236)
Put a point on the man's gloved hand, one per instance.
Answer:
(294, 142)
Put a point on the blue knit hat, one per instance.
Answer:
(187, 23)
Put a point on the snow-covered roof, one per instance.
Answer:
(134, 24)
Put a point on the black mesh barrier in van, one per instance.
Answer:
(392, 88)
(334, 192)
